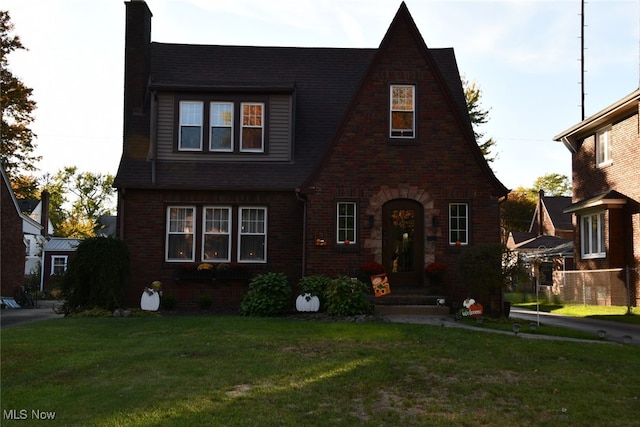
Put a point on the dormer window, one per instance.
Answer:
(252, 128)
(190, 126)
(221, 126)
(603, 147)
(402, 111)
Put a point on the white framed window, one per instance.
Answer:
(180, 245)
(252, 234)
(458, 224)
(252, 132)
(58, 264)
(402, 111)
(216, 230)
(346, 223)
(221, 135)
(603, 146)
(592, 228)
(190, 133)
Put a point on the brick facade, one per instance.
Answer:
(618, 179)
(143, 216)
(331, 128)
(12, 248)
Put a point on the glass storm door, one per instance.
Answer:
(402, 245)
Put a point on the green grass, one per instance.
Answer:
(614, 313)
(503, 324)
(240, 371)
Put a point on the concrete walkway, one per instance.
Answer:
(18, 316)
(615, 331)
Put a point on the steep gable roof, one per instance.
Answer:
(323, 81)
(444, 67)
(554, 206)
(25, 218)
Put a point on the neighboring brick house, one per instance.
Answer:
(605, 152)
(12, 244)
(297, 160)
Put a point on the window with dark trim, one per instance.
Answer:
(402, 111)
(180, 233)
(346, 223)
(226, 124)
(216, 239)
(216, 233)
(458, 224)
(190, 133)
(252, 137)
(221, 135)
(252, 234)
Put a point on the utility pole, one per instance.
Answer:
(582, 57)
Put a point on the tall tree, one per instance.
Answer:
(478, 116)
(16, 106)
(517, 211)
(77, 200)
(553, 184)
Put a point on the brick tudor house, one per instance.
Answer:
(605, 153)
(303, 161)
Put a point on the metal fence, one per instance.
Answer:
(591, 287)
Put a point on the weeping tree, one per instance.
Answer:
(485, 270)
(96, 276)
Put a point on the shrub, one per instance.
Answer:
(96, 275)
(205, 302)
(347, 297)
(168, 302)
(486, 270)
(268, 295)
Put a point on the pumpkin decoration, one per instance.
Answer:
(380, 283)
(307, 302)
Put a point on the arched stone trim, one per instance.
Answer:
(402, 191)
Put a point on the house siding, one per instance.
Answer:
(278, 142)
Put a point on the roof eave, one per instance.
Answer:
(571, 137)
(607, 203)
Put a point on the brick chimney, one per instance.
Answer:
(44, 215)
(137, 66)
(540, 213)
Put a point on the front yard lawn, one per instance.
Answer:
(243, 371)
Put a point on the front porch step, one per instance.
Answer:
(410, 310)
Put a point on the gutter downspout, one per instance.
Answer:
(302, 199)
(153, 135)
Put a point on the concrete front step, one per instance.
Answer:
(410, 310)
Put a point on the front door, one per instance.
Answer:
(402, 242)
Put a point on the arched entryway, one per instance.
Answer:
(403, 242)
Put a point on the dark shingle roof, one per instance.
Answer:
(324, 80)
(555, 207)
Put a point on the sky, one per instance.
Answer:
(524, 55)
